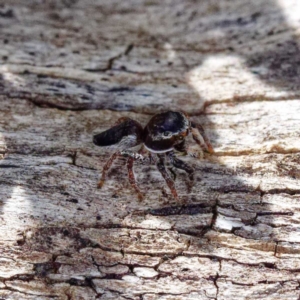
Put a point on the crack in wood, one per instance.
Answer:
(247, 98)
(167, 236)
(111, 61)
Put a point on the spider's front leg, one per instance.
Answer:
(162, 169)
(201, 138)
(179, 164)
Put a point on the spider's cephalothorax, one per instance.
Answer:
(163, 135)
(165, 130)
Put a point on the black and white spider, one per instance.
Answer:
(164, 134)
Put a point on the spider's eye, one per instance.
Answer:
(166, 133)
(181, 137)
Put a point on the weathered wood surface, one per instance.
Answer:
(69, 70)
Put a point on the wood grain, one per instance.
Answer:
(69, 70)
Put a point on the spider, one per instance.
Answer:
(164, 134)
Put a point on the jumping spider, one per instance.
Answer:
(164, 134)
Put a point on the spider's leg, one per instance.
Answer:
(132, 157)
(181, 147)
(132, 178)
(162, 169)
(172, 173)
(125, 134)
(201, 138)
(106, 168)
(178, 163)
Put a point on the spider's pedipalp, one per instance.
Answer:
(181, 147)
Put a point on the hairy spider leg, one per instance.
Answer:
(179, 164)
(201, 138)
(172, 172)
(162, 169)
(181, 147)
(132, 156)
(106, 168)
(132, 178)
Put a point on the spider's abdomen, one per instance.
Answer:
(165, 130)
(128, 133)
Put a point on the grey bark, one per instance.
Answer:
(70, 69)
